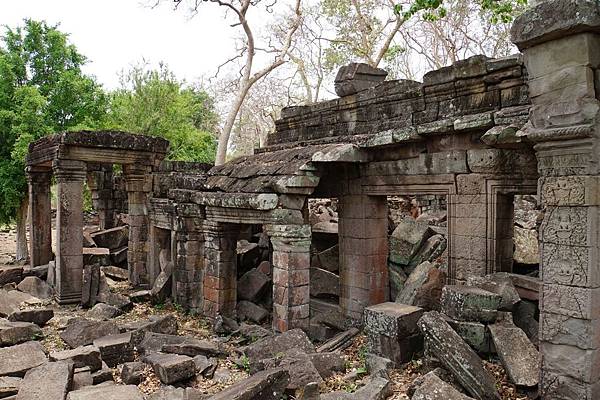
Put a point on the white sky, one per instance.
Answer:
(115, 34)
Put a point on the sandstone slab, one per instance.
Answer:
(84, 356)
(264, 385)
(84, 332)
(16, 360)
(108, 392)
(39, 316)
(48, 381)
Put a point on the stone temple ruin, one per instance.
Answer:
(472, 136)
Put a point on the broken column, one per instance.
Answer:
(40, 216)
(138, 182)
(561, 48)
(220, 241)
(363, 253)
(69, 230)
(291, 275)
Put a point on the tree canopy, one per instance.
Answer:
(42, 90)
(154, 102)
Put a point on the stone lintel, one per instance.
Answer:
(261, 201)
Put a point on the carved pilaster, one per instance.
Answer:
(40, 218)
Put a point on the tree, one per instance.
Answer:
(247, 50)
(154, 102)
(42, 91)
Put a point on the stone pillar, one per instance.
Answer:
(467, 229)
(560, 41)
(70, 176)
(220, 271)
(363, 238)
(100, 183)
(40, 216)
(291, 276)
(138, 183)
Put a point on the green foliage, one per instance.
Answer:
(245, 363)
(155, 103)
(42, 91)
(432, 10)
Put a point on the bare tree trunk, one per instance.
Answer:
(221, 157)
(22, 249)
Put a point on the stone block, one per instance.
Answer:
(356, 77)
(103, 311)
(115, 349)
(416, 280)
(406, 240)
(84, 356)
(12, 333)
(519, 356)
(582, 365)
(10, 274)
(105, 391)
(248, 311)
(113, 238)
(465, 303)
(171, 368)
(324, 283)
(500, 284)
(475, 334)
(36, 287)
(37, 316)
(9, 386)
(392, 319)
(457, 356)
(84, 332)
(267, 385)
(431, 387)
(252, 285)
(48, 381)
(132, 373)
(16, 360)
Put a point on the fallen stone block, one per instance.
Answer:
(397, 278)
(193, 347)
(457, 356)
(278, 346)
(37, 316)
(116, 273)
(132, 373)
(431, 249)
(415, 281)
(524, 316)
(102, 311)
(528, 287)
(433, 388)
(429, 295)
(119, 256)
(204, 363)
(48, 381)
(466, 303)
(103, 375)
(141, 296)
(298, 364)
(10, 274)
(153, 342)
(115, 349)
(40, 271)
(84, 332)
(84, 356)
(252, 285)
(90, 285)
(328, 363)
(518, 355)
(248, 311)
(106, 391)
(392, 331)
(82, 377)
(9, 386)
(96, 256)
(36, 287)
(165, 324)
(406, 240)
(499, 283)
(324, 283)
(171, 368)
(16, 360)
(378, 366)
(264, 385)
(161, 289)
(12, 333)
(356, 77)
(376, 389)
(113, 238)
(475, 334)
(527, 250)
(339, 342)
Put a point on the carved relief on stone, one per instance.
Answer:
(569, 300)
(567, 265)
(565, 164)
(566, 225)
(562, 329)
(563, 191)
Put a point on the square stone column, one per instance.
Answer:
(40, 216)
(363, 238)
(70, 176)
(138, 183)
(561, 47)
(291, 276)
(220, 270)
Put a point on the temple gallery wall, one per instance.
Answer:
(470, 137)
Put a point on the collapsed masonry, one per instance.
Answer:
(477, 132)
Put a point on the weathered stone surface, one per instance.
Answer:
(356, 77)
(115, 349)
(10, 273)
(433, 388)
(466, 303)
(12, 333)
(430, 250)
(376, 389)
(265, 385)
(278, 345)
(416, 280)
(113, 238)
(527, 249)
(327, 363)
(96, 256)
(116, 273)
(103, 375)
(171, 368)
(379, 366)
(16, 360)
(499, 283)
(192, 347)
(327, 259)
(298, 364)
(140, 296)
(475, 334)
(406, 240)
(48, 381)
(82, 377)
(152, 342)
(252, 285)
(104, 311)
(165, 324)
(106, 391)
(37, 316)
(12, 300)
(397, 279)
(519, 356)
(132, 373)
(84, 332)
(524, 316)
(324, 283)
(248, 311)
(457, 356)
(84, 356)
(35, 287)
(9, 386)
(428, 296)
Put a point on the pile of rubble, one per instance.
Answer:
(482, 319)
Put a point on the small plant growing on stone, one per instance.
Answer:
(245, 363)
